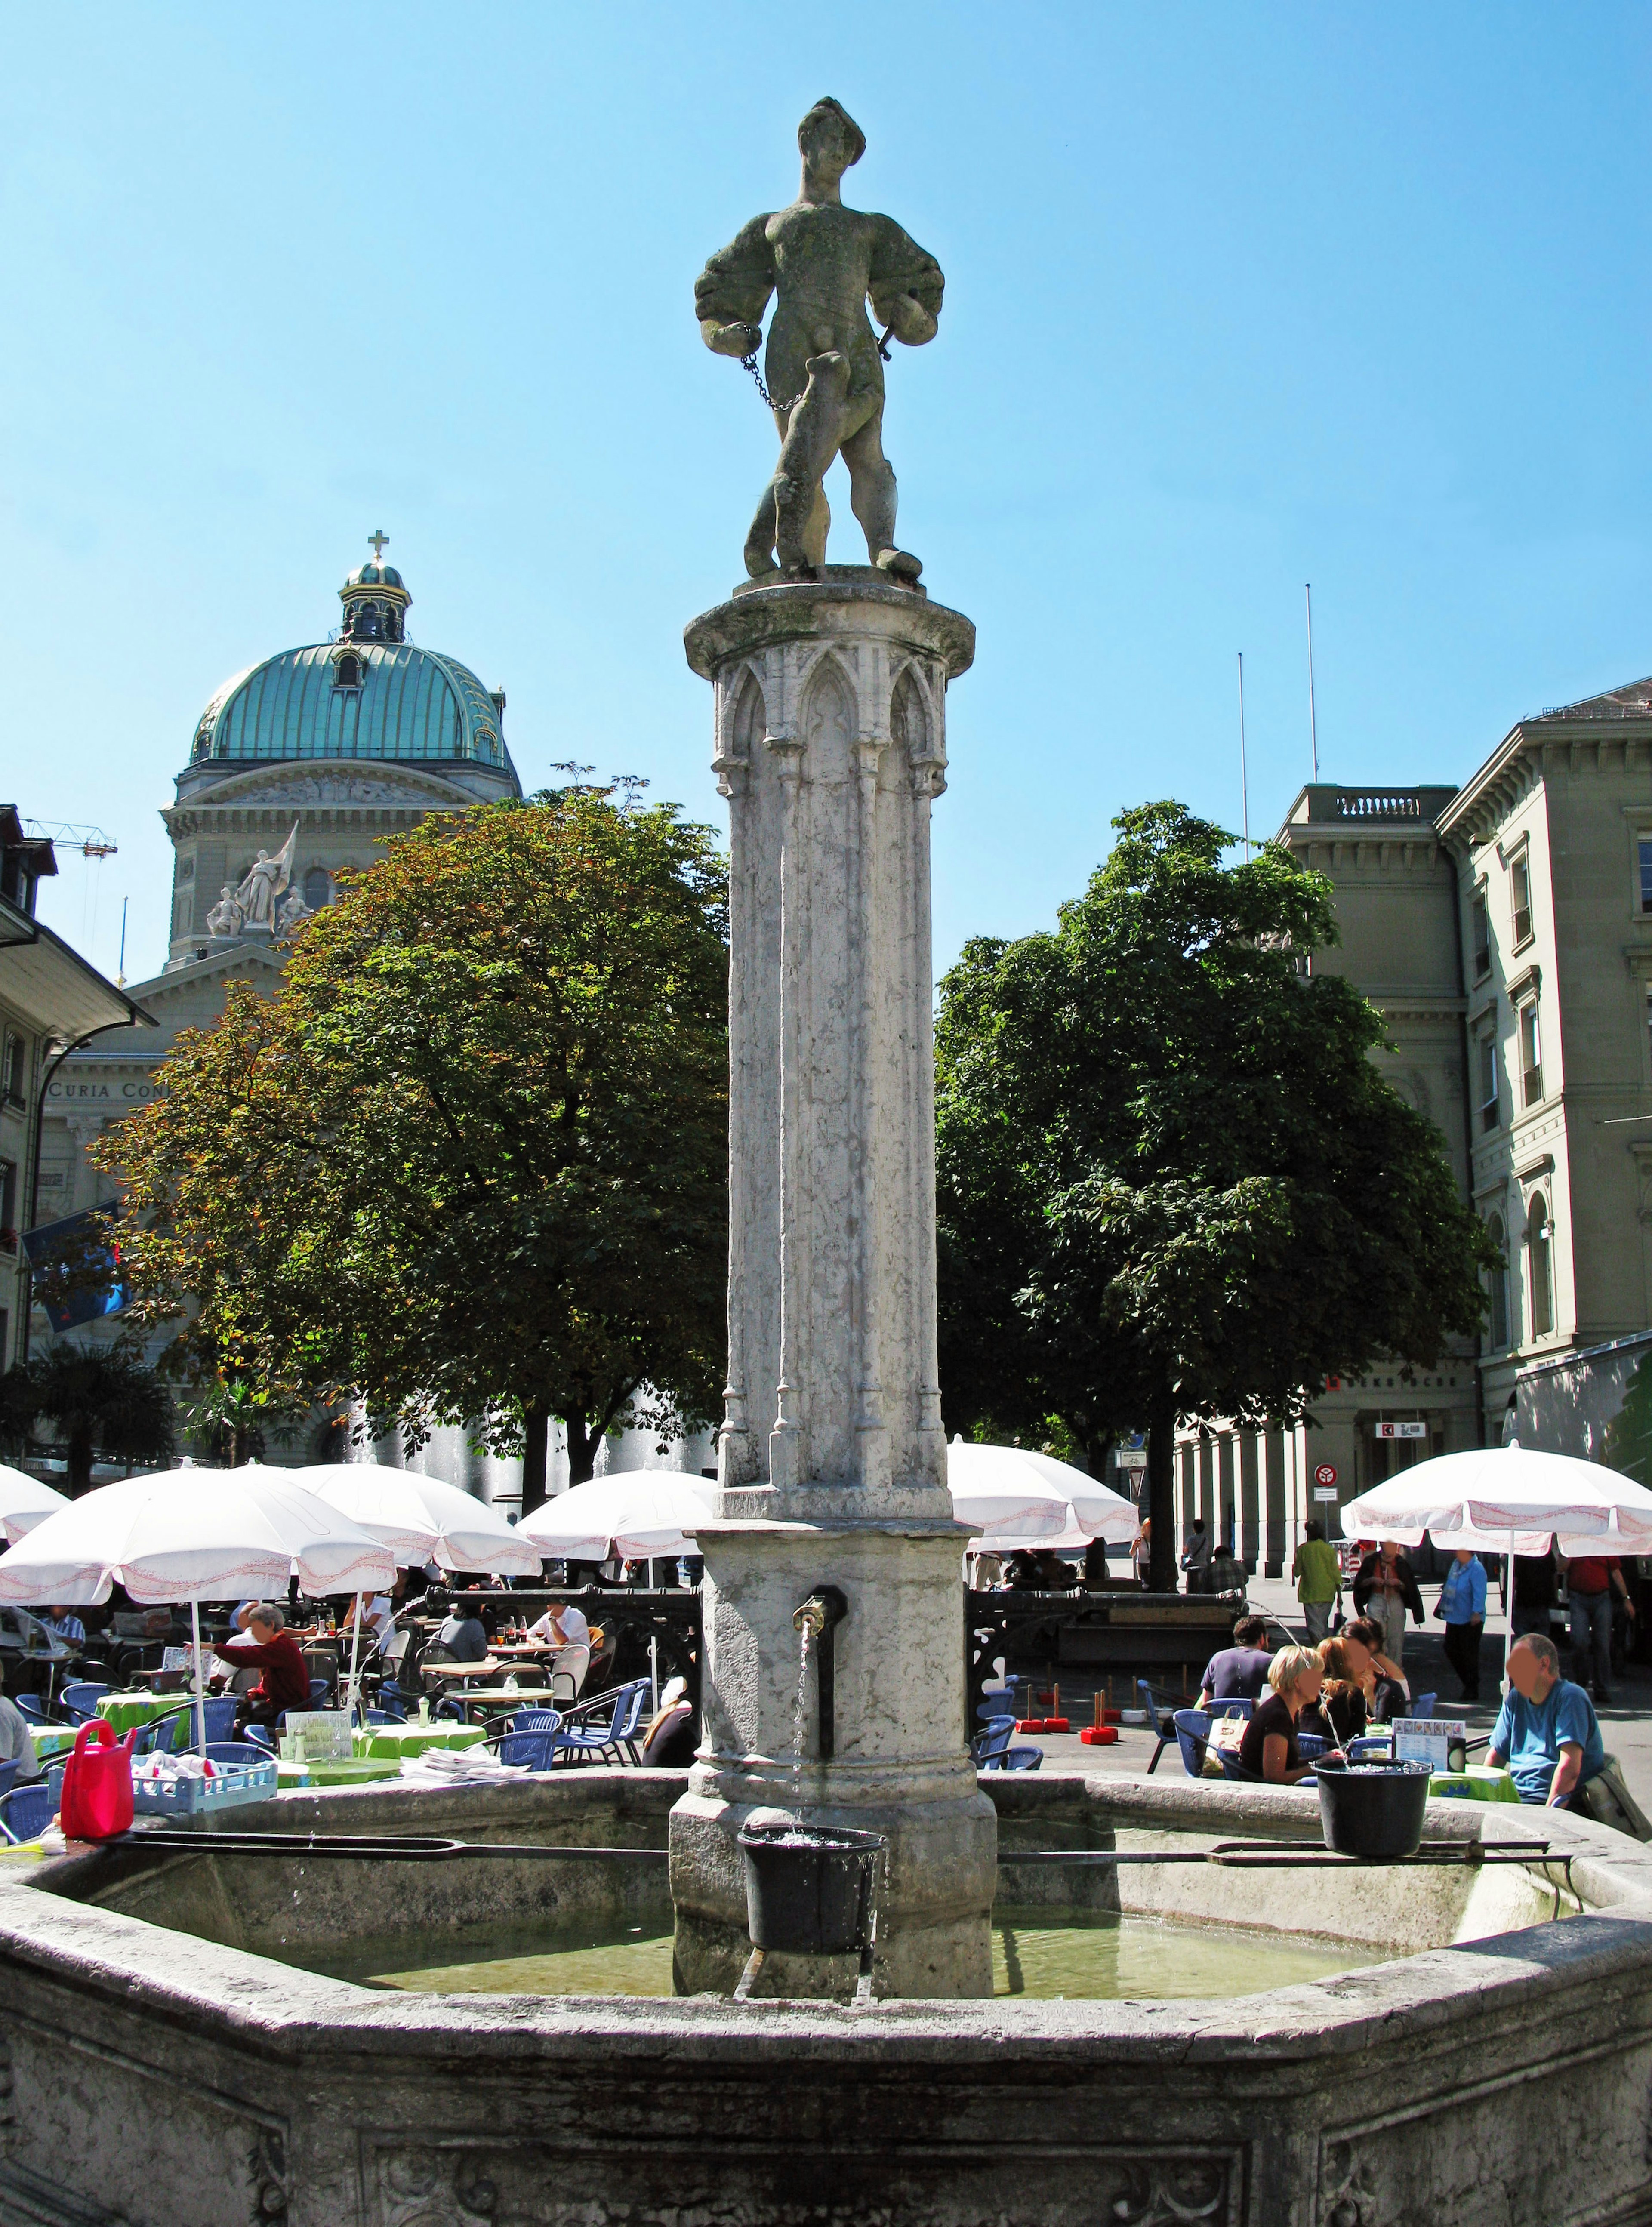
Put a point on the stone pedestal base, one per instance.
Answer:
(900, 1766)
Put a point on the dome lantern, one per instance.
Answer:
(375, 597)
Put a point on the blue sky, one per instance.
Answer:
(1237, 297)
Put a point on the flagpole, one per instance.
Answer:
(1244, 778)
(1313, 722)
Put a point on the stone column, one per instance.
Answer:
(831, 727)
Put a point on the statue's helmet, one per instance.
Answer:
(827, 106)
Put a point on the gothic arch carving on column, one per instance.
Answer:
(829, 725)
(745, 721)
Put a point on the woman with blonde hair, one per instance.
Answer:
(1269, 1748)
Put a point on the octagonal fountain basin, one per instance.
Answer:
(195, 2035)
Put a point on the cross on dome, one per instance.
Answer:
(377, 541)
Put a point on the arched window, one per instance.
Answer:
(1540, 1253)
(318, 888)
(1498, 1332)
(346, 670)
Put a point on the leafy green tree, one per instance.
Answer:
(102, 1399)
(1173, 1178)
(472, 1166)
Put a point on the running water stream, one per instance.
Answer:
(799, 1721)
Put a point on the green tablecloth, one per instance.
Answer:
(398, 1740)
(1478, 1782)
(52, 1741)
(359, 1771)
(123, 1711)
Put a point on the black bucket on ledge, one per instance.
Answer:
(1371, 1809)
(809, 1888)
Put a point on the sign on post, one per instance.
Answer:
(1401, 1430)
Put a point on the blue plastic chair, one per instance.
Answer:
(533, 1721)
(991, 1750)
(81, 1701)
(8, 1773)
(319, 1690)
(1161, 1716)
(583, 1735)
(395, 1699)
(1190, 1729)
(537, 1750)
(31, 1706)
(243, 1755)
(25, 1812)
(1422, 1705)
(258, 1736)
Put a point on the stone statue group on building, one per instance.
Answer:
(265, 898)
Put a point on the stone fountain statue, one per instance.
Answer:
(825, 365)
(831, 686)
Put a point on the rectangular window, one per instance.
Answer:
(1520, 899)
(15, 1077)
(1531, 1055)
(1488, 1081)
(9, 1205)
(1483, 935)
(1645, 849)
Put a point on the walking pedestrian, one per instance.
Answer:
(1590, 1581)
(1319, 1579)
(1384, 1588)
(1534, 1593)
(1462, 1608)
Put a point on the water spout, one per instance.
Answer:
(818, 1618)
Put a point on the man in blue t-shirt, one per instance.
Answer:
(1239, 1673)
(1547, 1734)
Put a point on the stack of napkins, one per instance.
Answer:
(458, 1767)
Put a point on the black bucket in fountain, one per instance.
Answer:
(1371, 1809)
(809, 1888)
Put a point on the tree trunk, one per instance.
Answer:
(79, 1464)
(1161, 1496)
(536, 1447)
(583, 1443)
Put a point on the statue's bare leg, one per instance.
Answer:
(872, 495)
(812, 441)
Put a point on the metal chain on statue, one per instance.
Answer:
(749, 362)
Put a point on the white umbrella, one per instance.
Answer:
(1009, 1493)
(420, 1519)
(1509, 1499)
(640, 1512)
(25, 1502)
(192, 1534)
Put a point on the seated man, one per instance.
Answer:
(16, 1741)
(464, 1636)
(1238, 1673)
(562, 1625)
(1547, 1734)
(274, 1651)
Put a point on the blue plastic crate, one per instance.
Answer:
(226, 1790)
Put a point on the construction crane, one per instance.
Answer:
(90, 842)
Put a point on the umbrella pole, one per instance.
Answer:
(201, 1699)
(1509, 1619)
(355, 1657)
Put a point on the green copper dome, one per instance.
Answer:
(369, 694)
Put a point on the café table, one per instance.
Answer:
(413, 1739)
(1476, 1782)
(336, 1771)
(52, 1740)
(126, 1711)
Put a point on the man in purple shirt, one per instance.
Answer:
(1239, 1673)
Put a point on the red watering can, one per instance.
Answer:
(97, 1802)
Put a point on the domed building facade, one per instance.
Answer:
(297, 769)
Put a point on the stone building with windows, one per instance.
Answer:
(50, 1000)
(1504, 928)
(297, 769)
